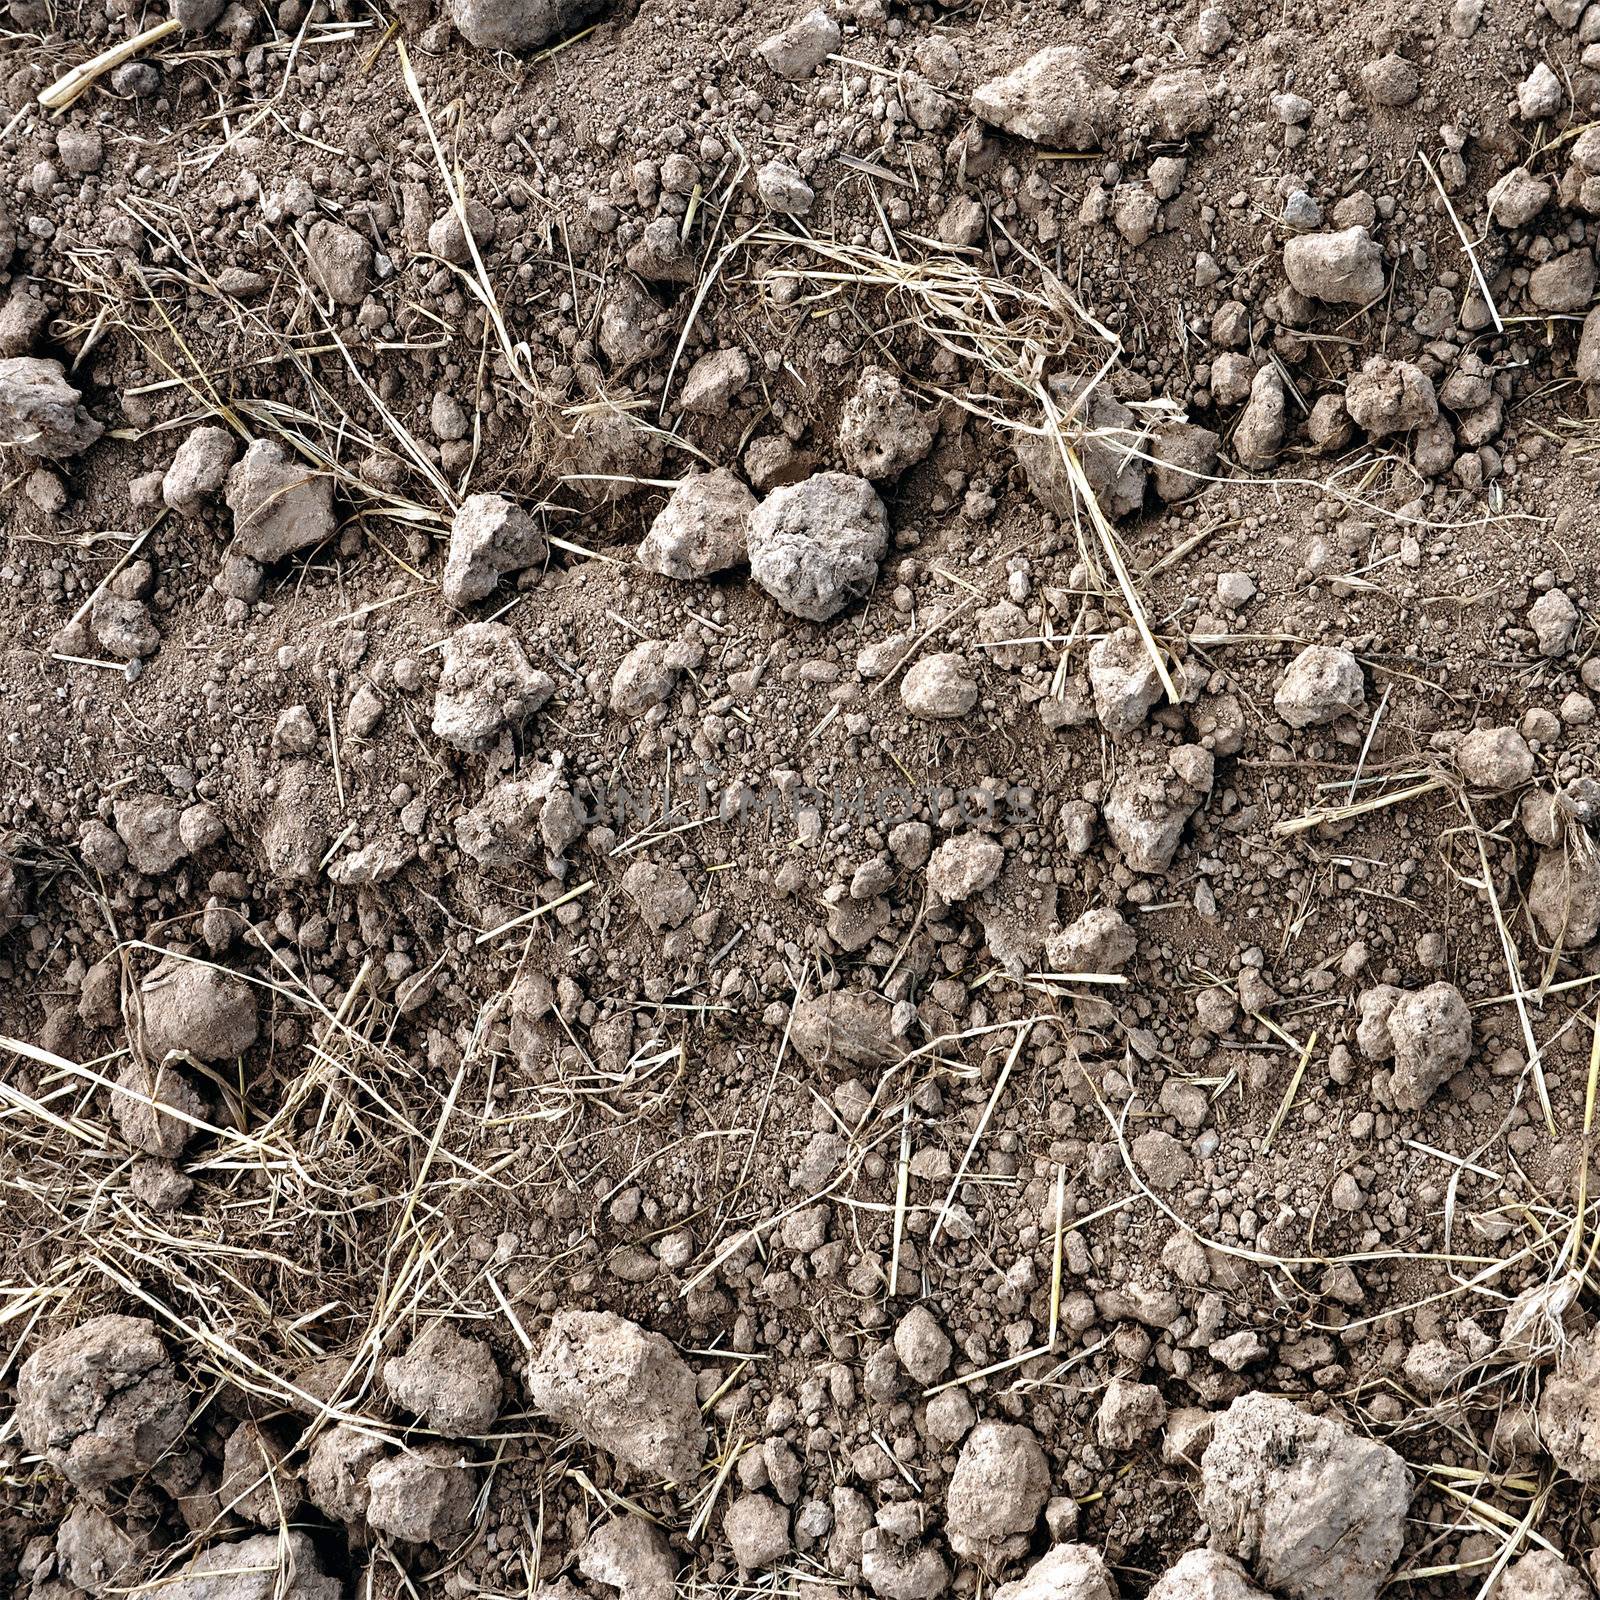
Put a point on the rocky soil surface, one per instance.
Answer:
(799, 798)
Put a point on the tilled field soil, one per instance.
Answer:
(799, 800)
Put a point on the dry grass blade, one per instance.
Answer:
(76, 83)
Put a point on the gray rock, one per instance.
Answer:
(1339, 269)
(517, 24)
(40, 412)
(449, 1382)
(881, 431)
(281, 1565)
(103, 1401)
(487, 684)
(424, 1496)
(996, 1493)
(625, 1389)
(1390, 397)
(815, 545)
(702, 529)
(1315, 1511)
(798, 50)
(280, 506)
(197, 1010)
(1321, 683)
(489, 537)
(341, 261)
(1054, 98)
(199, 469)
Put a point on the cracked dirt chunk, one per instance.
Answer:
(815, 545)
(257, 1481)
(1064, 1572)
(845, 1027)
(1108, 440)
(489, 537)
(199, 469)
(280, 505)
(40, 412)
(198, 1009)
(156, 1107)
(487, 684)
(711, 383)
(630, 1554)
(923, 1347)
(1315, 1511)
(647, 675)
(662, 896)
(148, 826)
(1054, 97)
(1391, 397)
(1124, 680)
(757, 1530)
(939, 687)
(1206, 1575)
(1129, 1413)
(1177, 105)
(97, 1554)
(1259, 435)
(1099, 941)
(797, 51)
(1564, 894)
(1151, 803)
(1495, 758)
(1431, 1034)
(963, 866)
(1569, 1409)
(702, 529)
(341, 261)
(1339, 269)
(519, 817)
(1321, 683)
(448, 1381)
(624, 1388)
(895, 1570)
(281, 1565)
(881, 431)
(996, 1493)
(517, 24)
(1543, 1575)
(424, 1496)
(337, 1470)
(102, 1401)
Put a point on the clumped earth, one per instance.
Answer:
(799, 796)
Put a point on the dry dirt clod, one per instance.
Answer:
(624, 1388)
(1206, 1575)
(815, 546)
(1053, 98)
(1496, 759)
(702, 529)
(337, 1470)
(449, 1382)
(1543, 1575)
(97, 1554)
(257, 1482)
(487, 685)
(103, 1401)
(963, 866)
(1569, 1409)
(1339, 269)
(490, 537)
(631, 1555)
(1314, 1511)
(1322, 683)
(282, 1565)
(845, 1027)
(199, 469)
(1124, 680)
(423, 1496)
(40, 412)
(517, 24)
(1564, 894)
(997, 1491)
(1065, 1572)
(939, 687)
(799, 49)
(280, 506)
(757, 1529)
(1390, 397)
(196, 1009)
(881, 431)
(1151, 803)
